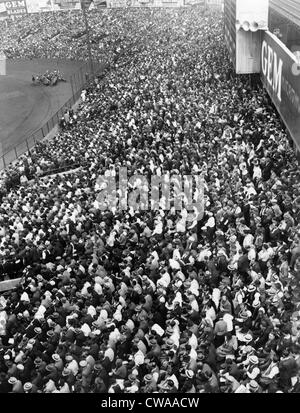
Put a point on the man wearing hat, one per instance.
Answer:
(230, 366)
(150, 381)
(68, 377)
(254, 387)
(17, 386)
(40, 365)
(29, 388)
(72, 364)
(58, 362)
(51, 373)
(252, 370)
(220, 331)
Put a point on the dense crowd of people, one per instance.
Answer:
(62, 35)
(142, 301)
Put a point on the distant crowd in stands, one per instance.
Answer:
(145, 301)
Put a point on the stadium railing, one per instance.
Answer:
(78, 82)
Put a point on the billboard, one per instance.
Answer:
(13, 9)
(280, 73)
(3, 13)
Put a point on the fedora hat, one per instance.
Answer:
(253, 385)
(27, 386)
(50, 367)
(66, 372)
(83, 363)
(244, 314)
(12, 380)
(98, 366)
(248, 338)
(251, 288)
(189, 374)
(37, 330)
(253, 359)
(148, 378)
(56, 357)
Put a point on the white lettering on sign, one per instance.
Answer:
(16, 11)
(272, 68)
(15, 4)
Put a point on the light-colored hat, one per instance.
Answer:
(37, 330)
(189, 374)
(251, 288)
(50, 367)
(83, 363)
(66, 372)
(27, 386)
(253, 359)
(12, 380)
(56, 357)
(253, 385)
(248, 338)
(148, 377)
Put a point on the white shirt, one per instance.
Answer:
(73, 366)
(110, 354)
(139, 358)
(248, 241)
(193, 342)
(257, 172)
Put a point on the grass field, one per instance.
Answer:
(24, 107)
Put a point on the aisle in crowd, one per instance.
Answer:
(142, 301)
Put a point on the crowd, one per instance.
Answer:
(62, 35)
(142, 301)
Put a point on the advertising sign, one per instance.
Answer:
(280, 73)
(15, 8)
